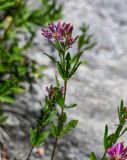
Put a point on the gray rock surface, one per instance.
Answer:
(98, 87)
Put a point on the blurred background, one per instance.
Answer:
(97, 88)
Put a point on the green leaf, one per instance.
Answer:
(70, 125)
(50, 117)
(76, 57)
(53, 129)
(121, 105)
(119, 115)
(110, 140)
(59, 47)
(85, 41)
(3, 68)
(37, 138)
(22, 70)
(51, 57)
(61, 70)
(121, 110)
(105, 137)
(7, 99)
(92, 156)
(57, 81)
(18, 90)
(68, 64)
(64, 118)
(33, 136)
(123, 132)
(90, 46)
(60, 101)
(85, 62)
(6, 5)
(41, 138)
(74, 69)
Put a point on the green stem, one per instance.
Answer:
(30, 152)
(56, 140)
(53, 153)
(103, 156)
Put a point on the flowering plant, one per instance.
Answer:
(53, 119)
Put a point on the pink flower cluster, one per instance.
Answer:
(117, 152)
(62, 32)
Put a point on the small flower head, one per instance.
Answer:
(117, 152)
(62, 33)
(50, 91)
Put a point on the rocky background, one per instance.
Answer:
(97, 87)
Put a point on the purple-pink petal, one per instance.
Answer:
(52, 27)
(117, 151)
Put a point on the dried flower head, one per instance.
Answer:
(117, 152)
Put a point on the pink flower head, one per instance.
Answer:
(117, 152)
(62, 32)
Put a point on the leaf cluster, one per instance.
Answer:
(50, 120)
